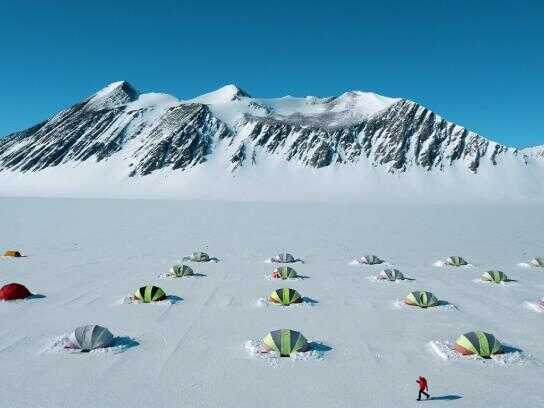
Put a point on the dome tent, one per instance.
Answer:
(494, 276)
(479, 343)
(198, 257)
(150, 293)
(180, 270)
(391, 275)
(13, 254)
(422, 299)
(13, 291)
(370, 260)
(285, 296)
(537, 263)
(90, 337)
(285, 342)
(455, 261)
(284, 272)
(285, 257)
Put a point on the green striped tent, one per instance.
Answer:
(284, 272)
(391, 275)
(422, 299)
(180, 270)
(494, 276)
(478, 342)
(537, 262)
(285, 296)
(456, 261)
(370, 260)
(150, 293)
(285, 342)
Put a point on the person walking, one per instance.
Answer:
(423, 387)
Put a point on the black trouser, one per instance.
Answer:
(422, 392)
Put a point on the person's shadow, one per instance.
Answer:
(445, 398)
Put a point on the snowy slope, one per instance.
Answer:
(124, 141)
(86, 255)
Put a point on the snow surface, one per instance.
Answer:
(86, 254)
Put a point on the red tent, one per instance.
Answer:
(13, 291)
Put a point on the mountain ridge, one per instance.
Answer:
(144, 133)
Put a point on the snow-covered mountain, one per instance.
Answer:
(141, 134)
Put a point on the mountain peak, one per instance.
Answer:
(115, 94)
(224, 94)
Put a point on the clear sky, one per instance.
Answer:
(478, 63)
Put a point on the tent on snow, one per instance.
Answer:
(13, 291)
(284, 342)
(421, 298)
(455, 261)
(537, 262)
(150, 293)
(494, 276)
(285, 296)
(199, 257)
(370, 260)
(391, 275)
(479, 343)
(13, 254)
(285, 257)
(284, 272)
(90, 337)
(180, 271)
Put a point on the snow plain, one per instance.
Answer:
(85, 255)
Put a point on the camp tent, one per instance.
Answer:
(198, 257)
(284, 272)
(285, 342)
(456, 261)
(494, 276)
(13, 254)
(285, 257)
(180, 270)
(421, 298)
(148, 294)
(391, 275)
(285, 296)
(90, 337)
(479, 343)
(370, 260)
(537, 262)
(13, 291)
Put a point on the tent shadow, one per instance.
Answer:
(200, 275)
(510, 349)
(36, 296)
(311, 301)
(124, 342)
(409, 279)
(173, 299)
(445, 398)
(445, 303)
(319, 347)
(302, 277)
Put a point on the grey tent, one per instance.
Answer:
(91, 337)
(285, 257)
(370, 260)
(391, 275)
(199, 257)
(180, 270)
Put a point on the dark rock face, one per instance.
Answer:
(178, 136)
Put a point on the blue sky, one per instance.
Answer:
(478, 63)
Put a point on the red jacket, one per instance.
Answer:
(422, 383)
